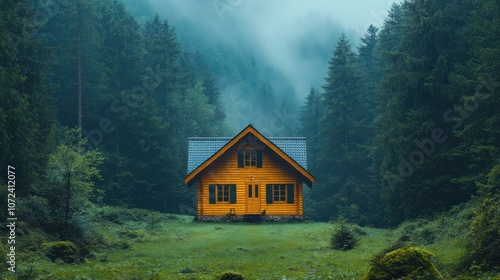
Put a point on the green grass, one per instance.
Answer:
(183, 249)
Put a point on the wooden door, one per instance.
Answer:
(253, 198)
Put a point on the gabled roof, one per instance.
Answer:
(202, 148)
(203, 151)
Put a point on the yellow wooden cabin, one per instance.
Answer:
(248, 176)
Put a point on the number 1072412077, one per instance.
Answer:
(11, 188)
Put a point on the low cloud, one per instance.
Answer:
(294, 36)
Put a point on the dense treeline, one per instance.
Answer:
(131, 92)
(406, 127)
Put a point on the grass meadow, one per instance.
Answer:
(176, 247)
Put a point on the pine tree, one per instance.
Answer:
(310, 115)
(163, 57)
(26, 118)
(343, 150)
(417, 171)
(371, 75)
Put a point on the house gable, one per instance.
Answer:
(249, 136)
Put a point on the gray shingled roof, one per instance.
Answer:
(202, 148)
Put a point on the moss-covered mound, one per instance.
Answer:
(62, 250)
(404, 263)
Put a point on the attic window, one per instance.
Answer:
(250, 157)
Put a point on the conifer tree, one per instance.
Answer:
(342, 162)
(26, 118)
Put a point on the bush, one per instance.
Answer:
(231, 276)
(63, 250)
(154, 221)
(408, 263)
(484, 239)
(343, 237)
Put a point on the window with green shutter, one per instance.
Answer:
(280, 193)
(222, 193)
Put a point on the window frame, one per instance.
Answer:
(290, 193)
(226, 194)
(282, 193)
(215, 189)
(250, 157)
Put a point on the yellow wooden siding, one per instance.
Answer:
(225, 170)
(200, 199)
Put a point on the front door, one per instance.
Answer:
(253, 198)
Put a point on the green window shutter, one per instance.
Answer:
(232, 193)
(211, 194)
(290, 196)
(241, 163)
(269, 194)
(259, 158)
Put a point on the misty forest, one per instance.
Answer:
(401, 118)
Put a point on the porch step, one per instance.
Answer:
(252, 218)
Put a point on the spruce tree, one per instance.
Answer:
(342, 160)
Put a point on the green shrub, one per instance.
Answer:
(484, 239)
(154, 220)
(62, 250)
(407, 263)
(231, 276)
(343, 237)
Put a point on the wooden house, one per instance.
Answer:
(248, 175)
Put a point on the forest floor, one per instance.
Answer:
(176, 247)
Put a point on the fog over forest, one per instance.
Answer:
(295, 38)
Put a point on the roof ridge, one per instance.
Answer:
(273, 137)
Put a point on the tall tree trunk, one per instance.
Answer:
(79, 47)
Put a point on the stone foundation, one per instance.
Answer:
(266, 218)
